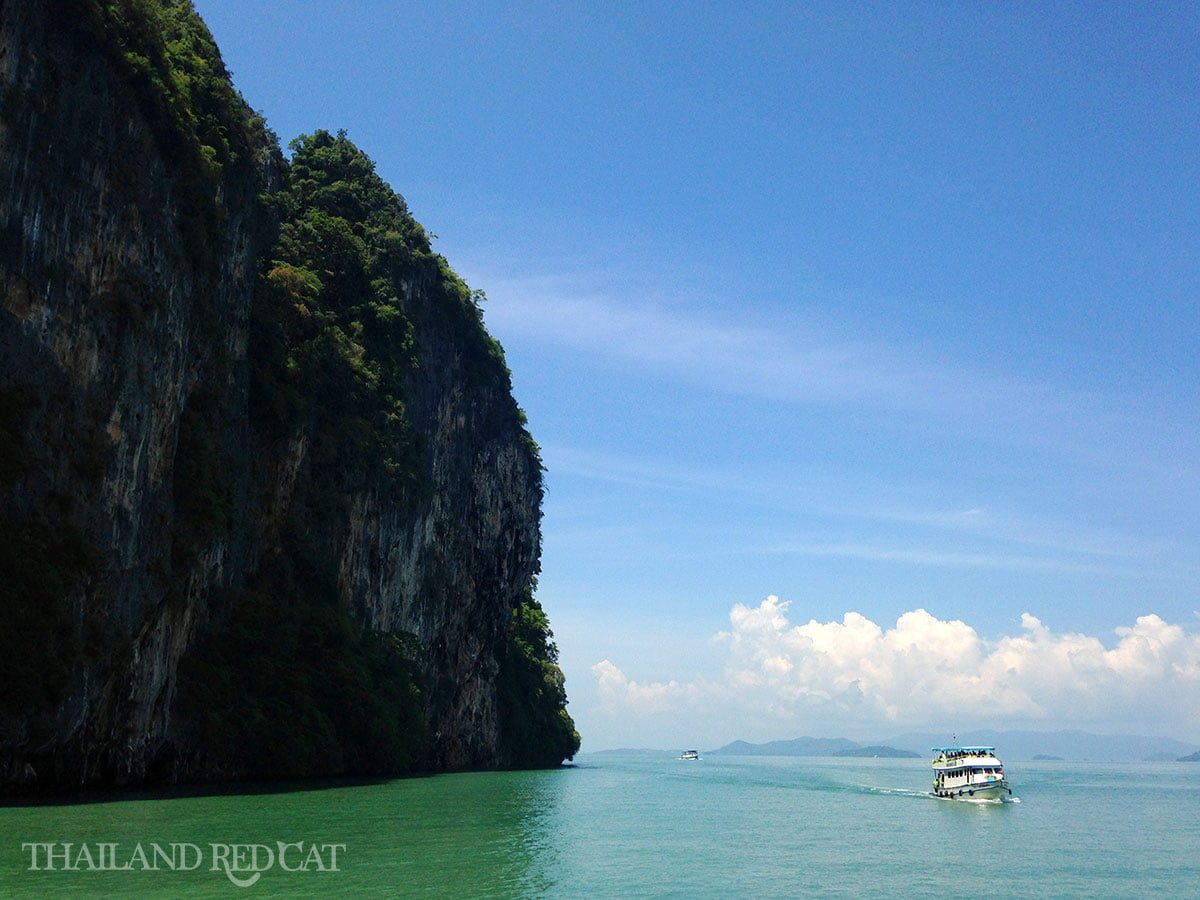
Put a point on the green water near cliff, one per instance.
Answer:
(644, 827)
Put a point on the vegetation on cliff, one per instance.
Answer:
(332, 346)
(168, 56)
(538, 730)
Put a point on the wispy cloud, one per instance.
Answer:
(925, 556)
(618, 469)
(1004, 526)
(829, 366)
(983, 538)
(788, 361)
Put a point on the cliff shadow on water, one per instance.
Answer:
(269, 507)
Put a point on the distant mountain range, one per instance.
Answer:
(1077, 746)
(1068, 745)
(810, 746)
(803, 746)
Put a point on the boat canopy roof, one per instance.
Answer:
(963, 749)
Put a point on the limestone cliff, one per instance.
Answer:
(188, 522)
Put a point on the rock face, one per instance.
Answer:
(138, 494)
(451, 570)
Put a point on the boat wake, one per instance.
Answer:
(897, 792)
(995, 801)
(929, 795)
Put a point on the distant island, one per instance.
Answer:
(1191, 757)
(1045, 757)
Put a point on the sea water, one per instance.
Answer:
(632, 826)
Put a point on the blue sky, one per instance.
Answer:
(872, 308)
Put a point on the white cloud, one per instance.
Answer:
(619, 692)
(928, 672)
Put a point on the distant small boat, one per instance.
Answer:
(969, 773)
(690, 754)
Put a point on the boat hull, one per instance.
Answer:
(997, 790)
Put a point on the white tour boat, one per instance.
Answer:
(690, 754)
(970, 773)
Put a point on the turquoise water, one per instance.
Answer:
(635, 826)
